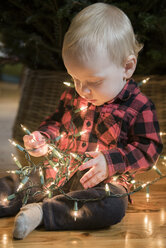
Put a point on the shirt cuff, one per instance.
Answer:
(45, 134)
(115, 161)
(50, 134)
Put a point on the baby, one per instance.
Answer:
(119, 124)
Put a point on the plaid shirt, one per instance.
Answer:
(125, 129)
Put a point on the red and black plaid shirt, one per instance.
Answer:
(125, 130)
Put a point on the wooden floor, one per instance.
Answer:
(143, 226)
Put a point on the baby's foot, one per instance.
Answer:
(29, 217)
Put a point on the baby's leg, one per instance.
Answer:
(58, 211)
(8, 186)
(27, 220)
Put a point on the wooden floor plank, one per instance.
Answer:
(143, 226)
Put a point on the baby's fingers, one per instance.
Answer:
(87, 165)
(29, 142)
(35, 140)
(87, 176)
(38, 152)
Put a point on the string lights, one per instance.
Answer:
(17, 145)
(16, 161)
(23, 182)
(41, 175)
(157, 170)
(75, 212)
(147, 193)
(107, 189)
(162, 133)
(80, 133)
(80, 109)
(144, 81)
(69, 84)
(25, 129)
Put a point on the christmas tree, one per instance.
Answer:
(33, 31)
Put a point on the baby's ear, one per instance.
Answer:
(129, 66)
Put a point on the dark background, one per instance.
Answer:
(32, 31)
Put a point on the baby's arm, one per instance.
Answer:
(98, 170)
(140, 153)
(143, 148)
(51, 126)
(36, 143)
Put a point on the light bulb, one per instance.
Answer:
(67, 84)
(12, 142)
(20, 186)
(75, 212)
(83, 108)
(146, 80)
(97, 148)
(144, 185)
(107, 189)
(16, 161)
(25, 129)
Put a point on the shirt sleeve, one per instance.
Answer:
(143, 147)
(50, 127)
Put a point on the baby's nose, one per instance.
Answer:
(86, 90)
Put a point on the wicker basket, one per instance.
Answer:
(155, 89)
(41, 91)
(40, 95)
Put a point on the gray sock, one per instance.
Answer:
(29, 217)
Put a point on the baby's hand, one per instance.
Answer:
(98, 171)
(35, 144)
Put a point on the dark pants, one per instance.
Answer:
(8, 186)
(58, 211)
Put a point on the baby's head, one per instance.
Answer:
(100, 50)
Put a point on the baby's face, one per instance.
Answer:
(98, 80)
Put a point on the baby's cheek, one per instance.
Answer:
(77, 89)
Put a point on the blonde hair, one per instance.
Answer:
(101, 26)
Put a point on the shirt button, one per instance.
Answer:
(88, 124)
(83, 144)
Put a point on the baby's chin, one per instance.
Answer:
(100, 102)
(97, 103)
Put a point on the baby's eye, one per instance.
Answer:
(95, 83)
